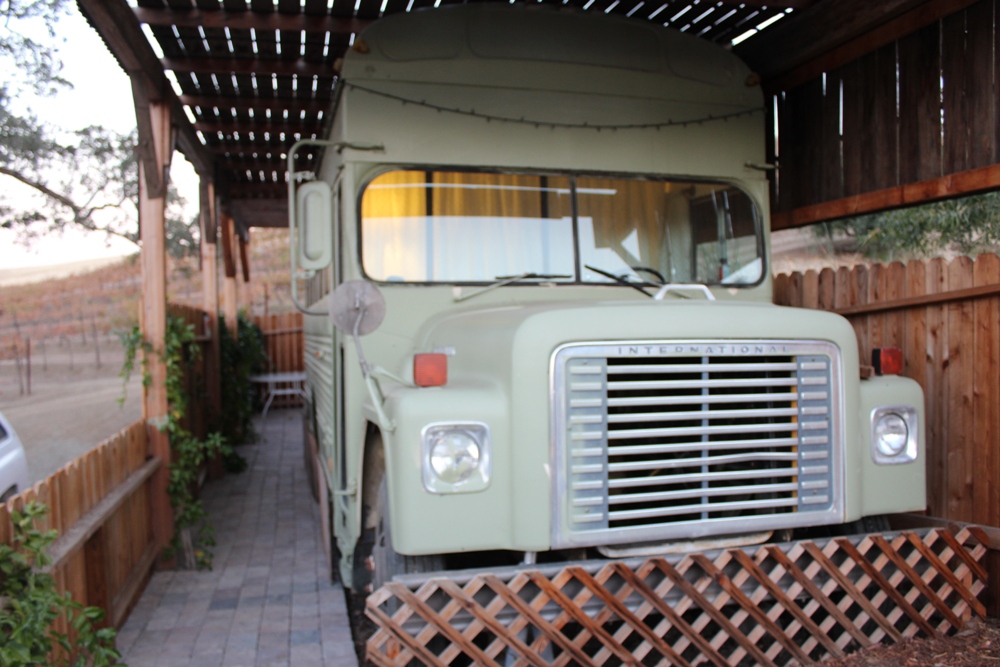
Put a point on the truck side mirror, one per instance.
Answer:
(314, 218)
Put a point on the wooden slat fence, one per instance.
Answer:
(945, 316)
(284, 342)
(793, 603)
(100, 505)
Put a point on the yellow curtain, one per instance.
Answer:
(465, 226)
(393, 243)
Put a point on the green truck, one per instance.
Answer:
(539, 307)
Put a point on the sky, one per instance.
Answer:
(101, 95)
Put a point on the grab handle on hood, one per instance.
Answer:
(679, 287)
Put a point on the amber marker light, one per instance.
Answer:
(430, 369)
(887, 360)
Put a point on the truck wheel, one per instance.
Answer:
(386, 563)
(375, 561)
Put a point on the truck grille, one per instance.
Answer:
(678, 440)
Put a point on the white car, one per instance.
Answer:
(14, 476)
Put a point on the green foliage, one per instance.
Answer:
(30, 604)
(133, 342)
(969, 225)
(190, 453)
(240, 357)
(193, 534)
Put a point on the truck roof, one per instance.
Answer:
(552, 49)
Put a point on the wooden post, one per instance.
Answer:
(97, 342)
(17, 364)
(155, 150)
(230, 296)
(210, 287)
(210, 304)
(27, 354)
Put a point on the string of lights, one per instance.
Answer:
(554, 124)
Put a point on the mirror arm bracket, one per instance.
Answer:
(374, 391)
(293, 177)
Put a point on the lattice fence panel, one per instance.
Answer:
(794, 603)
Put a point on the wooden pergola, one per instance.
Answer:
(871, 104)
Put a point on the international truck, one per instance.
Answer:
(539, 320)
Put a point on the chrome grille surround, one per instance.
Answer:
(662, 440)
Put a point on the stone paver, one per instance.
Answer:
(268, 600)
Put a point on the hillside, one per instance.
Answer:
(106, 300)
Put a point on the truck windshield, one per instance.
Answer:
(473, 227)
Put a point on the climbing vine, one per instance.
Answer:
(241, 356)
(193, 534)
(30, 604)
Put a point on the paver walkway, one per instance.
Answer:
(268, 600)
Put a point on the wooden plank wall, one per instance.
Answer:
(284, 342)
(884, 120)
(952, 348)
(109, 566)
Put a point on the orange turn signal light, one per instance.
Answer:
(887, 360)
(430, 369)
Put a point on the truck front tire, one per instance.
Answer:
(375, 561)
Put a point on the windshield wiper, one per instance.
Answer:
(510, 280)
(618, 279)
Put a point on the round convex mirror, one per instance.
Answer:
(353, 299)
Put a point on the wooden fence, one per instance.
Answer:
(284, 343)
(945, 316)
(100, 505)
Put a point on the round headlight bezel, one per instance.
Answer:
(473, 477)
(454, 456)
(894, 435)
(891, 434)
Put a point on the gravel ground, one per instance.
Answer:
(976, 645)
(68, 411)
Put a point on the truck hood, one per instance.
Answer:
(497, 339)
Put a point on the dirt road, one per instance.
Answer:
(69, 411)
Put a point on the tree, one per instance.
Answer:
(969, 225)
(88, 178)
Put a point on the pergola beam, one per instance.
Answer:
(260, 212)
(241, 150)
(959, 184)
(313, 23)
(118, 27)
(247, 20)
(292, 104)
(299, 66)
(273, 126)
(778, 4)
(257, 191)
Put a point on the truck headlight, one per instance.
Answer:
(894, 434)
(456, 457)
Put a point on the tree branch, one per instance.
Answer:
(81, 215)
